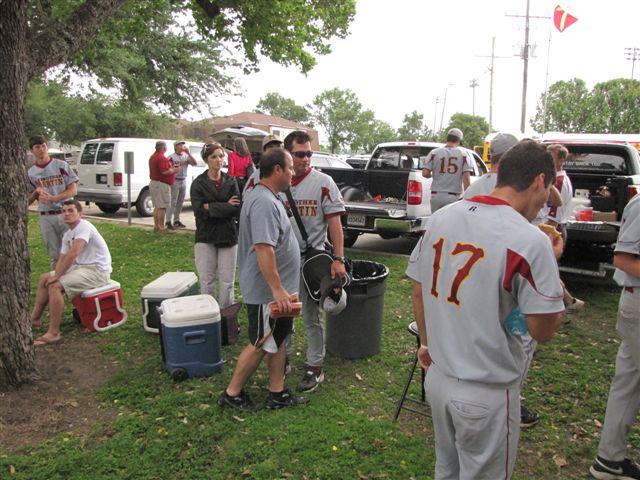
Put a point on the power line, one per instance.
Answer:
(633, 54)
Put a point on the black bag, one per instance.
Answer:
(316, 264)
(229, 328)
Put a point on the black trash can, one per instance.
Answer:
(356, 332)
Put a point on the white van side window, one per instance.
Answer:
(89, 154)
(105, 154)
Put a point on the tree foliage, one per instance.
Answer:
(474, 127)
(70, 119)
(610, 107)
(371, 132)
(338, 112)
(413, 128)
(38, 35)
(275, 104)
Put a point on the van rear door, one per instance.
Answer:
(96, 169)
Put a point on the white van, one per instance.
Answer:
(101, 172)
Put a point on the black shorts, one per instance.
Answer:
(281, 327)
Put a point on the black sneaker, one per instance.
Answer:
(179, 224)
(312, 377)
(284, 399)
(169, 226)
(527, 417)
(605, 470)
(240, 402)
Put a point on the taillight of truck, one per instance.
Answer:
(117, 179)
(414, 189)
(632, 191)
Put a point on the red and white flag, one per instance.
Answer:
(562, 19)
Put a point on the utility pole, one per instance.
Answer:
(525, 57)
(492, 70)
(633, 54)
(435, 113)
(473, 85)
(444, 103)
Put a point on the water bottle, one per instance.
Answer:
(516, 323)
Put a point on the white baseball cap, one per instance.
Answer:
(455, 132)
(333, 298)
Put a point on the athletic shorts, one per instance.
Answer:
(276, 329)
(160, 194)
(82, 277)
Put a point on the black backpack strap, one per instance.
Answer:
(296, 214)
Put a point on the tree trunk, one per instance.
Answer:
(16, 345)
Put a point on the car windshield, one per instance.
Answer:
(400, 157)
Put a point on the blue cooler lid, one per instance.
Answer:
(189, 311)
(169, 285)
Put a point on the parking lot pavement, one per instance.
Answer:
(91, 211)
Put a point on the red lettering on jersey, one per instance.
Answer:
(452, 167)
(325, 193)
(436, 266)
(516, 263)
(463, 273)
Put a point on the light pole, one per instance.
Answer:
(633, 54)
(473, 84)
(435, 115)
(444, 103)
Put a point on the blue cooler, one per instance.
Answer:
(169, 285)
(190, 331)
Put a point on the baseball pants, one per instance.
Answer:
(476, 427)
(52, 228)
(442, 199)
(624, 395)
(529, 346)
(216, 265)
(178, 192)
(314, 324)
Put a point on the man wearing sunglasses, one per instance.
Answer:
(320, 204)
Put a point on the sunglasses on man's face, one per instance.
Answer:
(301, 155)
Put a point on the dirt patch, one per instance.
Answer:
(64, 399)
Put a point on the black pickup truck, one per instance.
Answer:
(610, 168)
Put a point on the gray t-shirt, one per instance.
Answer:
(263, 219)
(54, 178)
(629, 241)
(447, 164)
(482, 186)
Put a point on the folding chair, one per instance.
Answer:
(413, 329)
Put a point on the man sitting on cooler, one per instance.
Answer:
(84, 263)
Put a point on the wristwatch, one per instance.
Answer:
(339, 259)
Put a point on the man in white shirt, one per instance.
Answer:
(84, 263)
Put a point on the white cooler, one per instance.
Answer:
(169, 285)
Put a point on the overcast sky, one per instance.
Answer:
(401, 55)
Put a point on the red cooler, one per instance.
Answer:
(101, 308)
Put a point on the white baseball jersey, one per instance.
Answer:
(477, 261)
(447, 164)
(252, 181)
(629, 240)
(181, 161)
(562, 213)
(317, 198)
(95, 252)
(482, 186)
(54, 178)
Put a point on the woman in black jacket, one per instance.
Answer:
(215, 198)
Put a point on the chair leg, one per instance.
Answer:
(406, 388)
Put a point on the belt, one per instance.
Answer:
(448, 193)
(51, 212)
(629, 289)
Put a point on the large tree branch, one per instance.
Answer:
(56, 43)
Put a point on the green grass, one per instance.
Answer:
(169, 430)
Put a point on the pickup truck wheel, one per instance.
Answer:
(108, 207)
(350, 237)
(144, 205)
